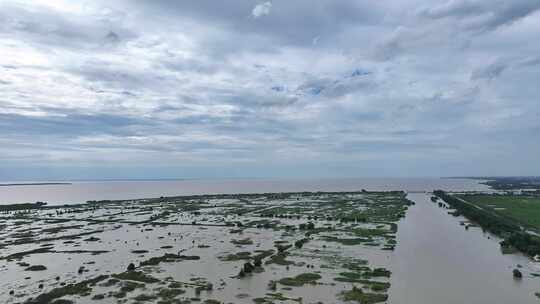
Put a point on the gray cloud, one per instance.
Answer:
(491, 71)
(291, 83)
(45, 27)
(483, 15)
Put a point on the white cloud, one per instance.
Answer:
(261, 9)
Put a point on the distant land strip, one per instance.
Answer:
(32, 184)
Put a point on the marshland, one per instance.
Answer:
(295, 247)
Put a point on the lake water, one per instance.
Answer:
(80, 192)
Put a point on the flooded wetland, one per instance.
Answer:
(304, 247)
(268, 248)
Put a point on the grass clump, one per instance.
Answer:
(129, 286)
(280, 259)
(373, 285)
(81, 289)
(357, 265)
(271, 297)
(347, 241)
(365, 232)
(136, 276)
(176, 285)
(357, 295)
(145, 298)
(36, 268)
(378, 272)
(170, 293)
(168, 257)
(262, 254)
(246, 241)
(300, 279)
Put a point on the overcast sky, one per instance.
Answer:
(283, 88)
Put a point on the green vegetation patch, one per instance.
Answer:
(170, 293)
(523, 209)
(379, 272)
(145, 298)
(129, 286)
(22, 254)
(357, 265)
(246, 241)
(347, 241)
(262, 254)
(137, 276)
(277, 296)
(54, 230)
(368, 233)
(367, 273)
(300, 280)
(279, 258)
(81, 289)
(36, 268)
(358, 296)
(373, 285)
(168, 257)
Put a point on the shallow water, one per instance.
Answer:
(120, 238)
(80, 192)
(438, 261)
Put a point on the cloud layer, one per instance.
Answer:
(284, 88)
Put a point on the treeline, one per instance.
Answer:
(493, 223)
(513, 183)
(269, 195)
(25, 206)
(523, 242)
(511, 232)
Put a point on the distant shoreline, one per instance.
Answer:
(32, 184)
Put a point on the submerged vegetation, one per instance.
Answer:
(196, 249)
